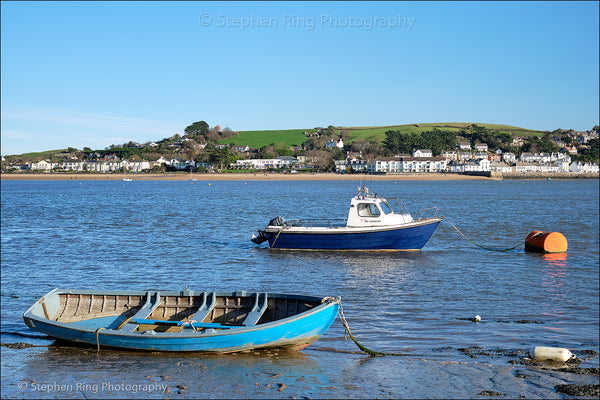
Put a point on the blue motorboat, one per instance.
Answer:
(185, 320)
(372, 224)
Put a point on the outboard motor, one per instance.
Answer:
(258, 239)
(277, 221)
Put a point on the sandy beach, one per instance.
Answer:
(267, 176)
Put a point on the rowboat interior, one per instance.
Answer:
(172, 311)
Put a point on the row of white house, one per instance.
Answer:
(440, 164)
(109, 166)
(258, 163)
(402, 164)
(93, 166)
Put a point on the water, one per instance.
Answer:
(172, 234)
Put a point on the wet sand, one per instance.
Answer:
(246, 177)
(77, 372)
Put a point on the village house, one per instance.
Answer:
(464, 146)
(422, 153)
(528, 167)
(580, 167)
(496, 166)
(482, 165)
(494, 157)
(481, 147)
(464, 155)
(241, 149)
(517, 142)
(43, 165)
(333, 143)
(509, 158)
(450, 155)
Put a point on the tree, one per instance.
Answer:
(197, 128)
(321, 159)
(284, 152)
(221, 157)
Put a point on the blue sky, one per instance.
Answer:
(92, 74)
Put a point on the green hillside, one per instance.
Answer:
(294, 137)
(257, 139)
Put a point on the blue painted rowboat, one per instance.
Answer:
(185, 320)
(371, 225)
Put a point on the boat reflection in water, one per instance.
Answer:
(371, 225)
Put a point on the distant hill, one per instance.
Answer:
(295, 137)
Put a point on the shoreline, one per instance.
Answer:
(241, 177)
(269, 176)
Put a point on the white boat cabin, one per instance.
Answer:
(370, 210)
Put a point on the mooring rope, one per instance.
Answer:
(479, 245)
(370, 352)
(276, 237)
(97, 341)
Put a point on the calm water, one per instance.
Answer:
(169, 235)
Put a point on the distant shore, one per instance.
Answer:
(269, 176)
(264, 176)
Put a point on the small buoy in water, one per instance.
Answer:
(551, 353)
(477, 318)
(209, 184)
(546, 242)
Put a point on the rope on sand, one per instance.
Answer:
(370, 352)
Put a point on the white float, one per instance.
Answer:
(551, 353)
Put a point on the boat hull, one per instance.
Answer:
(407, 237)
(294, 332)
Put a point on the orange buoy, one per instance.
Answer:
(546, 242)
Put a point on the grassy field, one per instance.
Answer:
(294, 137)
(377, 133)
(257, 139)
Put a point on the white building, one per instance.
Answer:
(408, 164)
(526, 167)
(43, 165)
(509, 158)
(500, 167)
(481, 146)
(470, 166)
(579, 167)
(563, 165)
(422, 153)
(264, 163)
(355, 165)
(450, 155)
(333, 143)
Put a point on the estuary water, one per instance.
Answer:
(169, 235)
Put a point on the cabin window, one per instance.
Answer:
(385, 207)
(368, 210)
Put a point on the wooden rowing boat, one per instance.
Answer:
(183, 320)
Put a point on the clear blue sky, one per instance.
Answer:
(93, 74)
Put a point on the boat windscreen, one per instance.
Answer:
(386, 207)
(368, 210)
